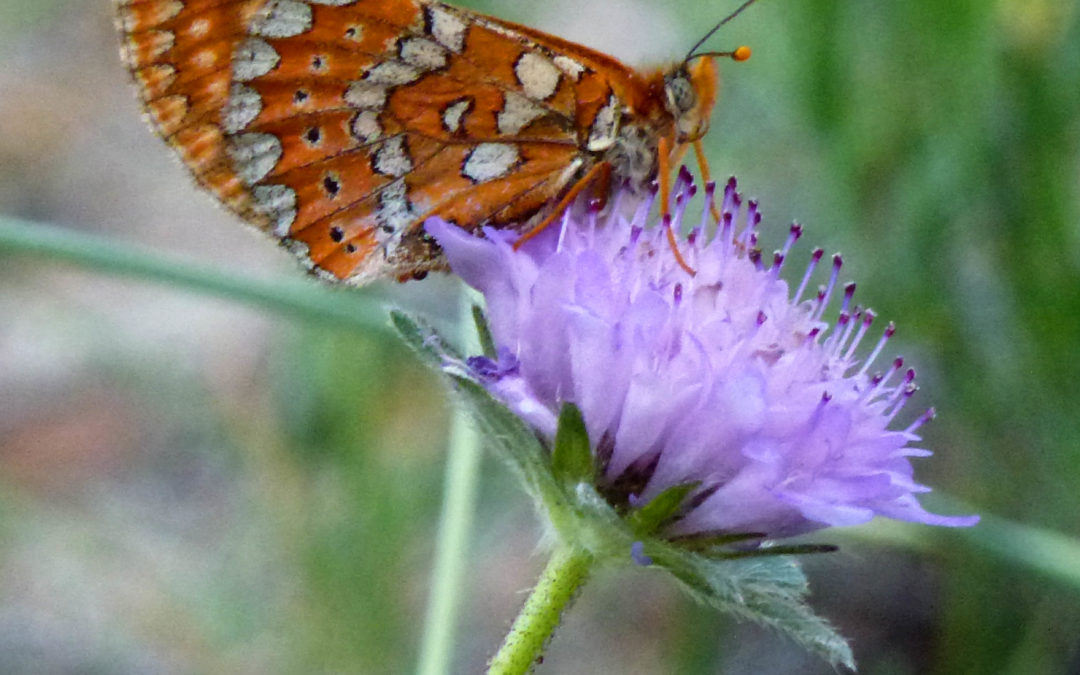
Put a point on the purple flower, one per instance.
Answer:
(722, 378)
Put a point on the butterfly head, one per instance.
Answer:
(690, 92)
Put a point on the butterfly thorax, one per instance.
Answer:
(677, 106)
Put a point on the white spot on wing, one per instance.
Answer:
(392, 158)
(281, 19)
(395, 213)
(253, 58)
(254, 155)
(243, 107)
(538, 76)
(392, 74)
(366, 95)
(279, 203)
(453, 113)
(422, 53)
(447, 28)
(489, 161)
(366, 127)
(605, 126)
(516, 113)
(570, 67)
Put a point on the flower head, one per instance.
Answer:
(723, 379)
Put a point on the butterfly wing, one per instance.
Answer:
(339, 126)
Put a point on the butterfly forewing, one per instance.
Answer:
(338, 126)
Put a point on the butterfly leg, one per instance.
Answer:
(599, 174)
(664, 160)
(703, 166)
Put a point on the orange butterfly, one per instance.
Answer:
(339, 126)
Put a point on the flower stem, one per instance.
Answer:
(302, 298)
(565, 573)
(455, 528)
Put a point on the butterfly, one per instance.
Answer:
(340, 126)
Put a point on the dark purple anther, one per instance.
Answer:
(849, 291)
(685, 175)
(755, 257)
(637, 554)
(930, 414)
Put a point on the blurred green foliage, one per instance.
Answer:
(937, 144)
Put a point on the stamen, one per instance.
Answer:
(868, 319)
(889, 331)
(823, 299)
(777, 264)
(727, 220)
(849, 292)
(930, 414)
(753, 219)
(755, 257)
(815, 258)
(564, 227)
(729, 203)
(793, 235)
(682, 200)
(834, 343)
(908, 391)
(710, 206)
(905, 384)
(881, 384)
(684, 179)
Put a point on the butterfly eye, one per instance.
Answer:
(680, 93)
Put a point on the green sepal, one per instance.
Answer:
(793, 549)
(706, 541)
(483, 332)
(660, 509)
(767, 590)
(571, 457)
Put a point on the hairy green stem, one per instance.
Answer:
(345, 308)
(564, 575)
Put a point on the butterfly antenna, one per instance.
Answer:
(715, 28)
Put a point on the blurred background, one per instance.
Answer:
(190, 485)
